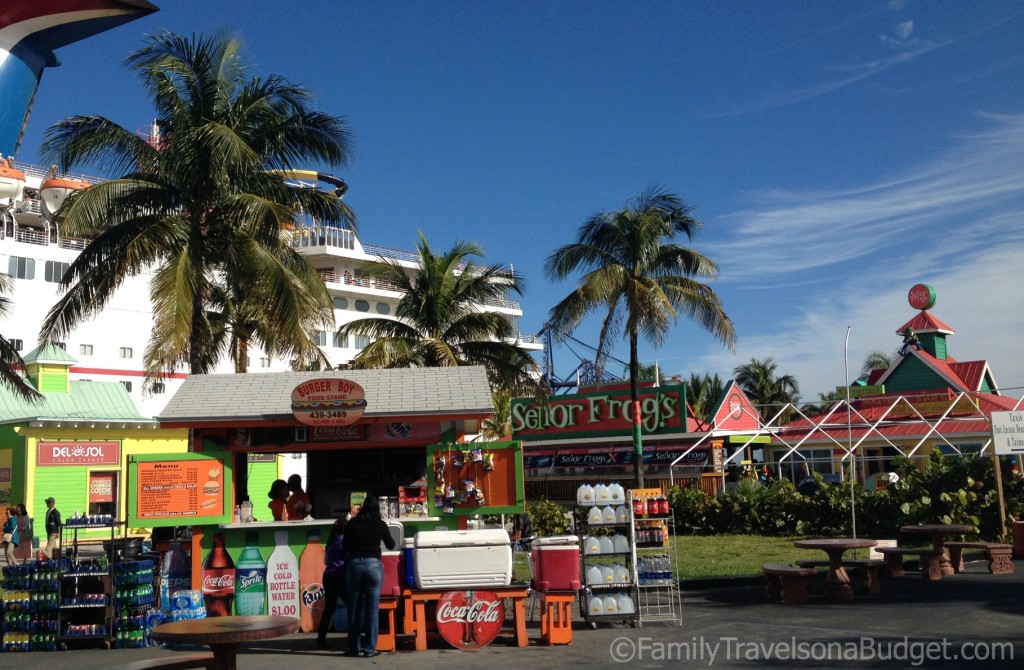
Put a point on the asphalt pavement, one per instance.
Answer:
(970, 620)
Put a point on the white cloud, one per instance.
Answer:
(905, 30)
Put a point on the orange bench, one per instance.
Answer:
(415, 622)
(386, 639)
(556, 616)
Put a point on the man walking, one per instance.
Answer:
(53, 526)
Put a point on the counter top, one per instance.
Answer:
(257, 525)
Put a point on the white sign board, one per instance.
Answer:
(1008, 433)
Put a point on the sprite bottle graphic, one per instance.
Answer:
(250, 578)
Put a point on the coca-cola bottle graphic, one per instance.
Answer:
(218, 579)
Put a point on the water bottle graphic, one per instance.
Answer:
(283, 580)
(250, 578)
(175, 575)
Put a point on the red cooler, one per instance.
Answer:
(556, 563)
(392, 584)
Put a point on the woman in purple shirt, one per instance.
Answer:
(334, 578)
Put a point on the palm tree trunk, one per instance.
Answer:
(634, 395)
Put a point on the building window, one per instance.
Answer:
(362, 306)
(383, 308)
(21, 268)
(17, 344)
(61, 345)
(159, 387)
(340, 340)
(264, 362)
(362, 341)
(55, 270)
(340, 303)
(85, 349)
(124, 352)
(127, 386)
(321, 338)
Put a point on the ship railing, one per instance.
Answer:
(323, 236)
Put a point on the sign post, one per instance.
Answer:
(1007, 440)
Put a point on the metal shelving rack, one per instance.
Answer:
(86, 592)
(587, 560)
(658, 595)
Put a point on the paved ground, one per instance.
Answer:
(912, 623)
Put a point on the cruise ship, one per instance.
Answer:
(35, 253)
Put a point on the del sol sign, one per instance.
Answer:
(662, 410)
(66, 452)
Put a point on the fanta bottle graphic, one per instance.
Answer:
(250, 578)
(311, 582)
(283, 578)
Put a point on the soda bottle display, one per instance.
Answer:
(175, 575)
(218, 579)
(250, 578)
(311, 582)
(283, 578)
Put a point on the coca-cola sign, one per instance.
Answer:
(217, 584)
(78, 453)
(469, 619)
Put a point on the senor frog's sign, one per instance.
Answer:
(328, 401)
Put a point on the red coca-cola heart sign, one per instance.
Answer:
(469, 619)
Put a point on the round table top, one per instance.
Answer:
(827, 543)
(938, 529)
(225, 629)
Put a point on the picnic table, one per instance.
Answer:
(837, 584)
(224, 634)
(938, 532)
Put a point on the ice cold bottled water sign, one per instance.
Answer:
(1008, 433)
(469, 619)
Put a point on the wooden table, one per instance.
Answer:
(224, 634)
(415, 604)
(837, 584)
(938, 533)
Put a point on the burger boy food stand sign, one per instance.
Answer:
(328, 402)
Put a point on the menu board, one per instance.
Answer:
(180, 488)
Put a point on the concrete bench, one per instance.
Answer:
(788, 583)
(175, 662)
(867, 569)
(928, 558)
(1000, 560)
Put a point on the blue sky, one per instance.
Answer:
(837, 152)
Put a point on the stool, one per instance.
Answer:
(386, 638)
(556, 616)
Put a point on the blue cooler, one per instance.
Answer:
(408, 547)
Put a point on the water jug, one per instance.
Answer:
(596, 606)
(621, 573)
(605, 542)
(617, 493)
(594, 517)
(601, 495)
(624, 604)
(611, 605)
(622, 514)
(594, 577)
(585, 495)
(608, 514)
(620, 544)
(607, 574)
(591, 545)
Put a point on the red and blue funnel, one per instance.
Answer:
(30, 30)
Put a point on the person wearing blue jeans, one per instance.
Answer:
(364, 575)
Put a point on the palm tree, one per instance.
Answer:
(765, 389)
(825, 400)
(638, 278)
(876, 360)
(702, 392)
(10, 359)
(440, 320)
(202, 203)
(499, 425)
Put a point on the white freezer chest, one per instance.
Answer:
(462, 558)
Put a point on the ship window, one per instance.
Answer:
(321, 338)
(124, 352)
(55, 270)
(383, 308)
(127, 386)
(362, 306)
(340, 340)
(340, 303)
(17, 345)
(159, 387)
(21, 268)
(264, 362)
(362, 341)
